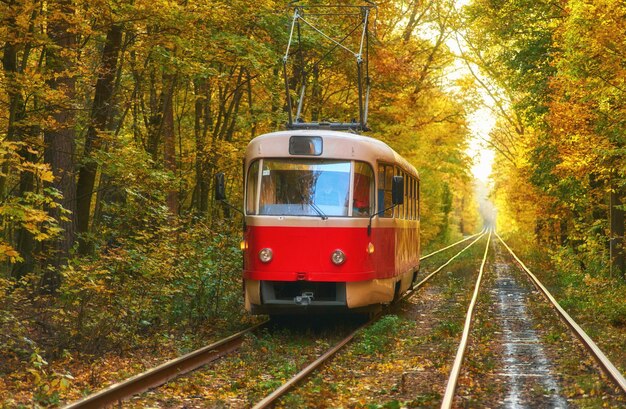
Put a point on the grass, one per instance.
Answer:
(375, 339)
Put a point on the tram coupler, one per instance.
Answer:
(305, 299)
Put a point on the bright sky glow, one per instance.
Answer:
(480, 123)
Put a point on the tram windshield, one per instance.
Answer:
(309, 187)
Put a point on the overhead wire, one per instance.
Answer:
(320, 32)
(359, 54)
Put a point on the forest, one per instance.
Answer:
(116, 115)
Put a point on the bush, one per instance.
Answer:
(170, 279)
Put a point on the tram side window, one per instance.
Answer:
(413, 200)
(385, 177)
(413, 211)
(363, 196)
(400, 208)
(253, 183)
(405, 203)
(407, 190)
(408, 198)
(418, 201)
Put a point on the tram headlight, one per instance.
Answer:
(370, 248)
(338, 257)
(265, 255)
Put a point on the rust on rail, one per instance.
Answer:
(163, 373)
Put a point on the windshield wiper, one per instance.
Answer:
(314, 206)
(318, 210)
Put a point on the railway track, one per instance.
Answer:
(269, 400)
(174, 368)
(161, 374)
(604, 363)
(451, 246)
(449, 396)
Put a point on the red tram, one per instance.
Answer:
(332, 223)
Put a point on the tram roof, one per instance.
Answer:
(336, 145)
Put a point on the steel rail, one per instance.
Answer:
(282, 390)
(448, 397)
(163, 373)
(450, 246)
(269, 399)
(428, 277)
(611, 371)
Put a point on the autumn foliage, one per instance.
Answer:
(558, 67)
(114, 117)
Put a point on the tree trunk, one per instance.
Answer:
(24, 242)
(169, 137)
(616, 216)
(9, 65)
(202, 185)
(316, 96)
(100, 115)
(59, 140)
(276, 104)
(251, 110)
(154, 120)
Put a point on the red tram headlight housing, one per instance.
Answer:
(338, 257)
(266, 255)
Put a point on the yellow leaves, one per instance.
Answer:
(46, 175)
(12, 153)
(44, 381)
(32, 220)
(30, 213)
(8, 252)
(36, 376)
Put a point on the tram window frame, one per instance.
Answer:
(407, 200)
(411, 209)
(399, 209)
(412, 193)
(410, 190)
(419, 205)
(380, 188)
(402, 206)
(413, 200)
(407, 205)
(416, 198)
(372, 189)
(402, 209)
(384, 188)
(252, 190)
